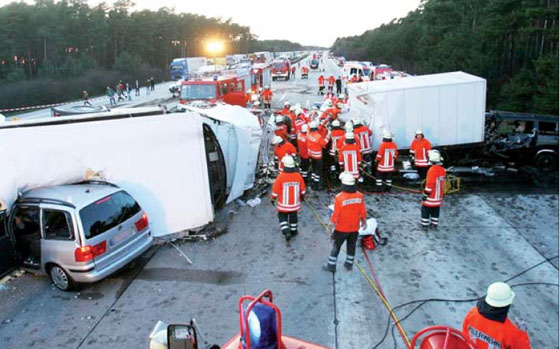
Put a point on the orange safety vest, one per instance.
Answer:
(302, 145)
(419, 148)
(350, 157)
(435, 186)
(336, 135)
(364, 135)
(288, 188)
(321, 80)
(315, 145)
(331, 80)
(282, 131)
(349, 209)
(267, 95)
(386, 156)
(490, 334)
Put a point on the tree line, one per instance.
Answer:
(511, 43)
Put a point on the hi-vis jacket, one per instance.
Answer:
(282, 131)
(281, 150)
(315, 145)
(336, 135)
(419, 148)
(490, 334)
(435, 186)
(302, 145)
(350, 157)
(386, 156)
(364, 135)
(267, 95)
(349, 209)
(288, 189)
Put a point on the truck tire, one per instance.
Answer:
(547, 161)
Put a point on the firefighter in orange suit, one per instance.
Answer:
(288, 192)
(487, 324)
(386, 156)
(350, 157)
(419, 152)
(349, 213)
(364, 134)
(337, 134)
(315, 145)
(281, 128)
(267, 97)
(281, 149)
(302, 151)
(433, 192)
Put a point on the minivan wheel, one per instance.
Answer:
(60, 278)
(546, 161)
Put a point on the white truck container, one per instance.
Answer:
(449, 108)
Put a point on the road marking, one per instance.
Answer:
(283, 96)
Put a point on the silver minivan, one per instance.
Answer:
(78, 233)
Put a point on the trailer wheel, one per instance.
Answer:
(546, 161)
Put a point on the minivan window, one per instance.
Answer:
(547, 128)
(57, 225)
(107, 213)
(26, 222)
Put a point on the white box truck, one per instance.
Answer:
(186, 68)
(449, 108)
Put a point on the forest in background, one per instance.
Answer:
(511, 43)
(51, 51)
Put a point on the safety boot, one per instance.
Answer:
(348, 266)
(329, 268)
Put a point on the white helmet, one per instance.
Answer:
(286, 104)
(349, 126)
(357, 121)
(293, 108)
(347, 178)
(434, 156)
(298, 111)
(279, 119)
(249, 91)
(499, 295)
(288, 161)
(341, 96)
(277, 140)
(349, 135)
(340, 105)
(266, 87)
(419, 132)
(304, 128)
(387, 135)
(298, 105)
(335, 123)
(314, 124)
(256, 103)
(328, 103)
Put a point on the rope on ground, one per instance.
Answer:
(369, 280)
(415, 191)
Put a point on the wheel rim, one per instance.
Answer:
(59, 277)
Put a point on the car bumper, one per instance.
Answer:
(93, 275)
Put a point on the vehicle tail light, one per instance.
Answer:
(142, 223)
(87, 253)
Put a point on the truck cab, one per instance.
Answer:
(281, 69)
(228, 89)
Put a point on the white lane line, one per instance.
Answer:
(283, 96)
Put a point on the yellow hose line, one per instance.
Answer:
(415, 191)
(369, 280)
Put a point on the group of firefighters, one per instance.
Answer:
(303, 140)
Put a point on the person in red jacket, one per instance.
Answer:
(349, 156)
(337, 134)
(315, 145)
(419, 152)
(349, 213)
(386, 156)
(286, 108)
(364, 134)
(433, 192)
(281, 129)
(289, 190)
(331, 81)
(281, 149)
(321, 81)
(302, 151)
(267, 97)
(487, 324)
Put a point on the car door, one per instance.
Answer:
(7, 252)
(58, 242)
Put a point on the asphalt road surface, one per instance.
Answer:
(485, 236)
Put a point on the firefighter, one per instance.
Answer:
(321, 81)
(315, 145)
(289, 190)
(293, 72)
(433, 192)
(302, 151)
(350, 157)
(337, 133)
(267, 97)
(331, 81)
(290, 120)
(249, 98)
(364, 133)
(286, 108)
(386, 156)
(301, 118)
(331, 111)
(349, 213)
(487, 324)
(282, 148)
(419, 153)
(281, 127)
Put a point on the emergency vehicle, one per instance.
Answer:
(356, 68)
(281, 69)
(382, 72)
(261, 75)
(227, 86)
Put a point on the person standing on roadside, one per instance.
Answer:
(111, 94)
(85, 97)
(152, 83)
(137, 88)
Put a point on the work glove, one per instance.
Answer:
(424, 197)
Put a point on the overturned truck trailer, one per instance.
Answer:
(449, 108)
(172, 163)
